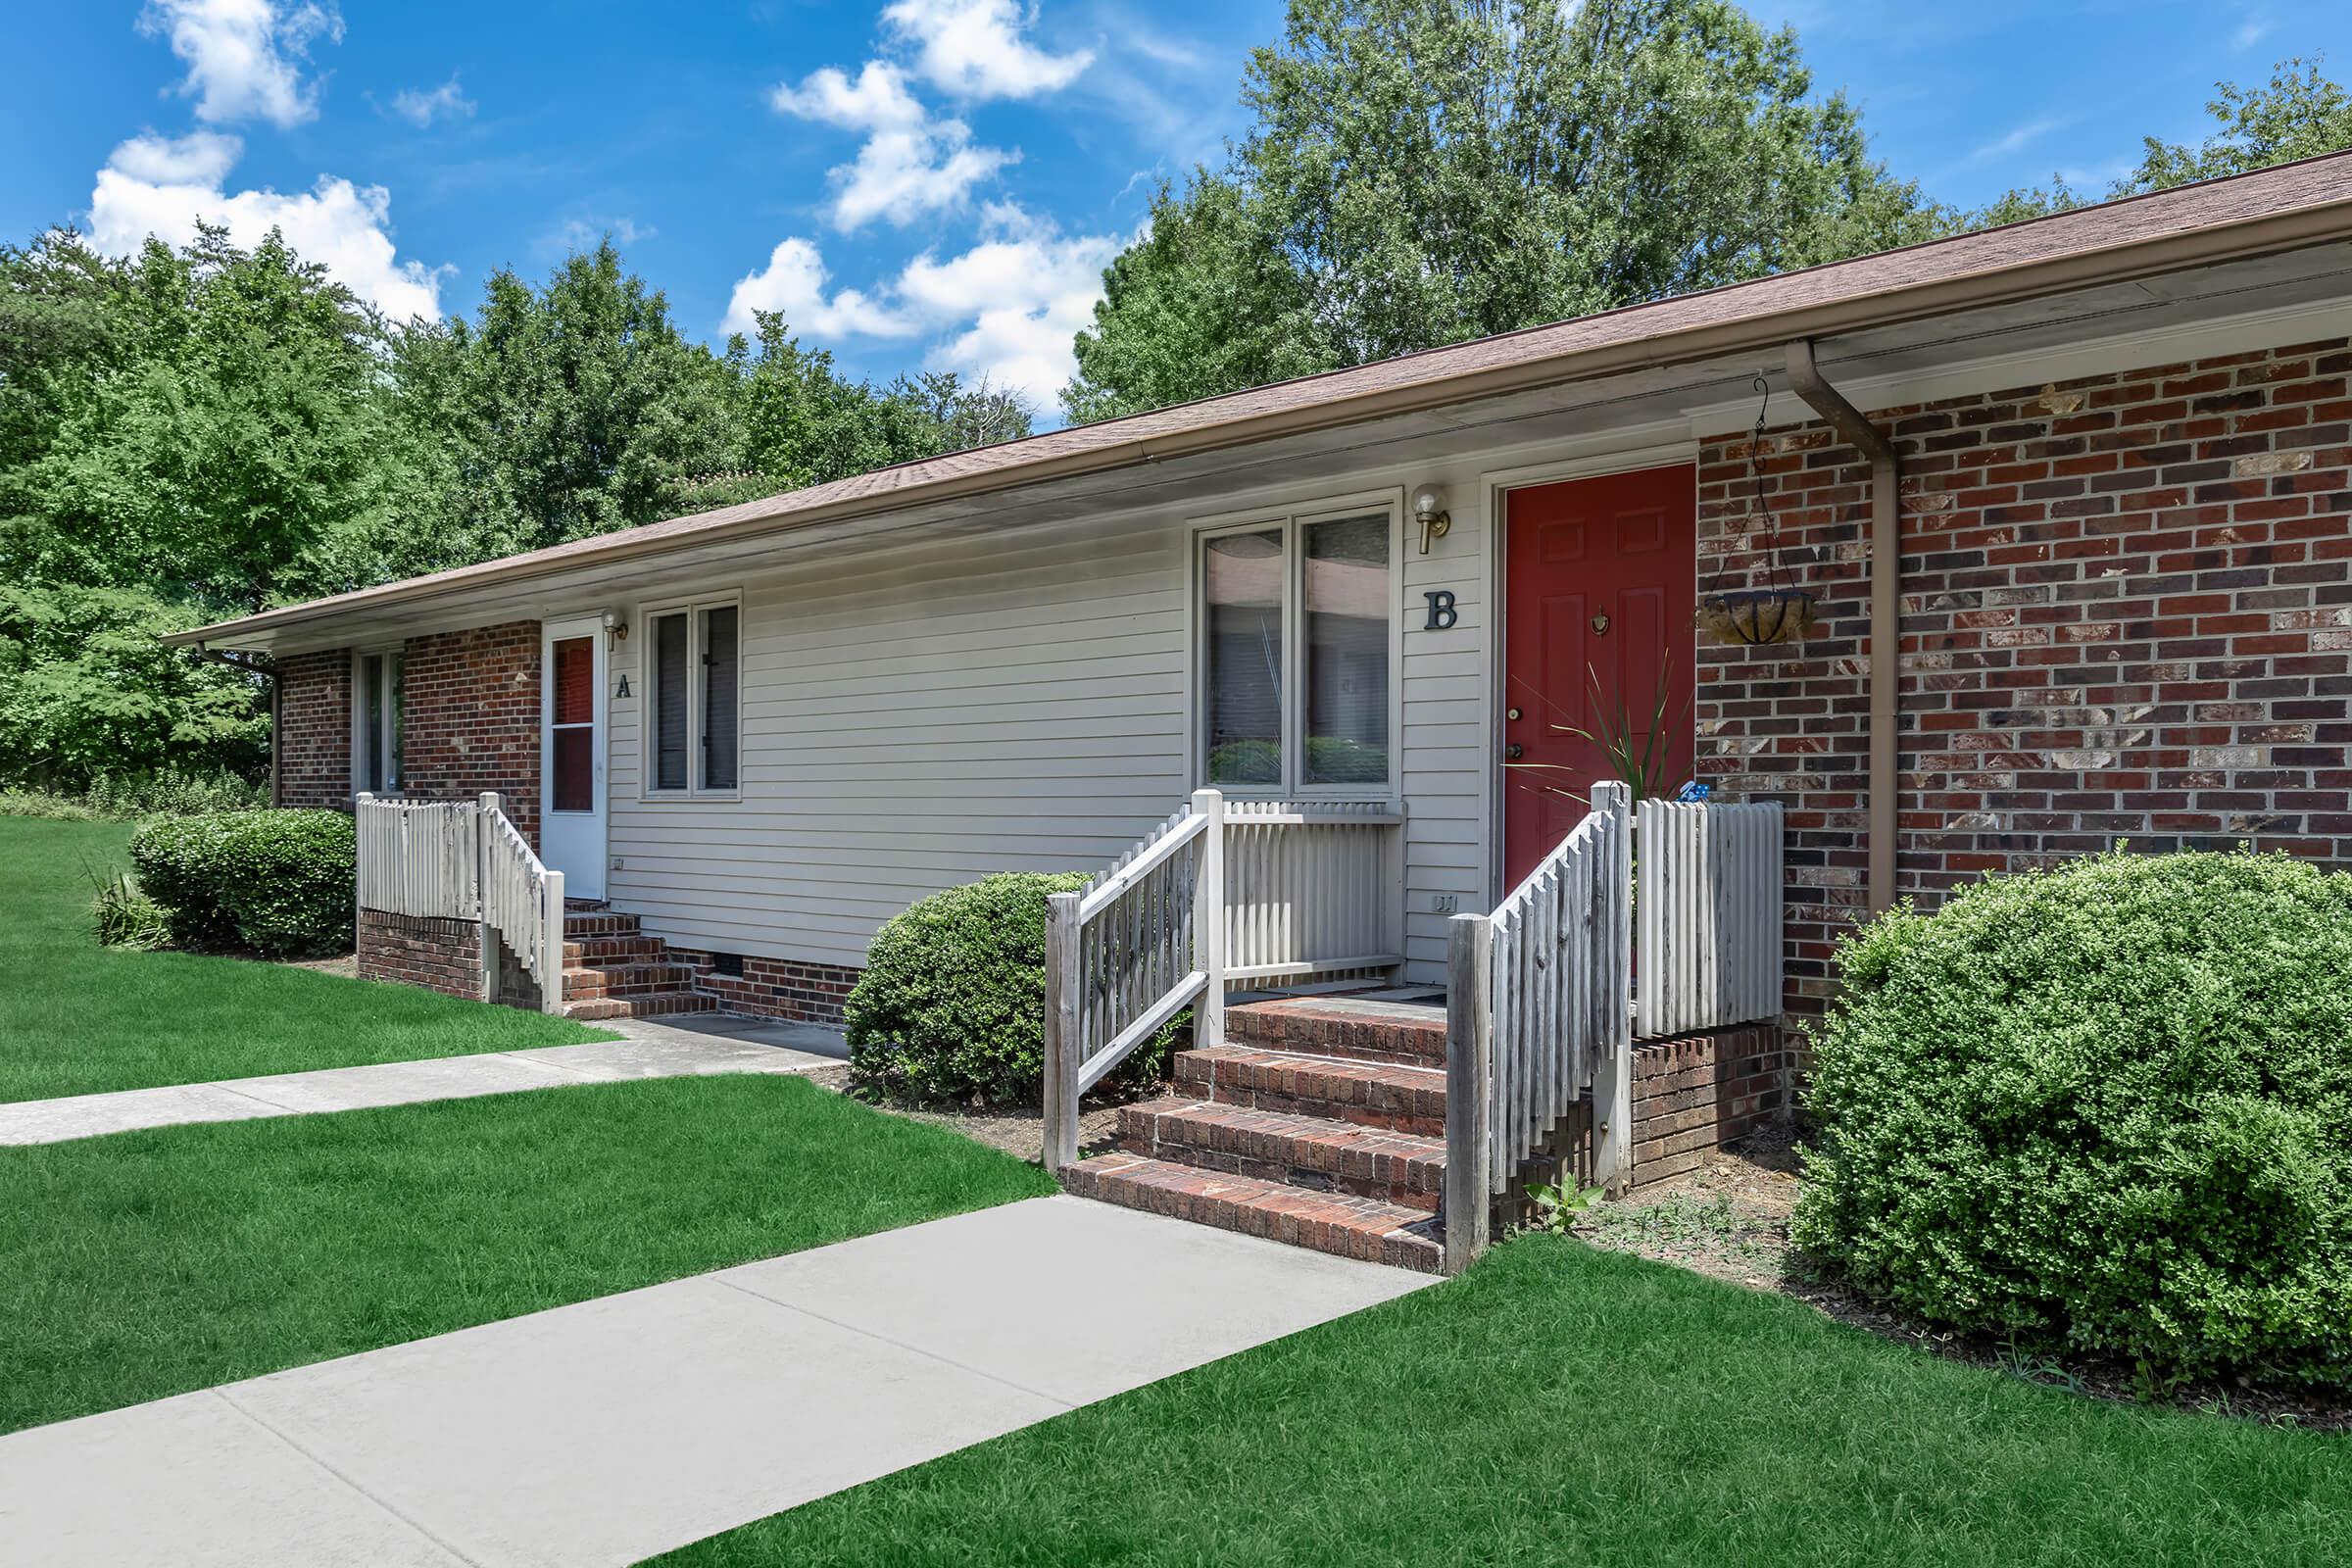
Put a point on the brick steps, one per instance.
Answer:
(1320, 1123)
(612, 969)
(1364, 1093)
(1325, 1222)
(1297, 1151)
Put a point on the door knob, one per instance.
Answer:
(1514, 751)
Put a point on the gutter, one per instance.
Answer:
(2117, 261)
(1885, 604)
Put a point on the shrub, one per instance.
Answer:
(277, 882)
(112, 798)
(953, 1001)
(122, 915)
(2106, 1108)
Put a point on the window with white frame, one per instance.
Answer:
(376, 713)
(693, 698)
(1296, 672)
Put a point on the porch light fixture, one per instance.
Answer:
(1436, 521)
(1778, 611)
(615, 628)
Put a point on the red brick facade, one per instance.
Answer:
(470, 717)
(1701, 1092)
(313, 729)
(444, 956)
(2127, 615)
(803, 992)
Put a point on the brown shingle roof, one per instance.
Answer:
(2273, 209)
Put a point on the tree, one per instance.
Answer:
(1422, 171)
(2297, 114)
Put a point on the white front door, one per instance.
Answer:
(572, 752)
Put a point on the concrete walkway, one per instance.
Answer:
(604, 1433)
(649, 1048)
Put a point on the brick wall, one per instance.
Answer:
(802, 991)
(1701, 1092)
(2127, 614)
(444, 956)
(470, 718)
(313, 728)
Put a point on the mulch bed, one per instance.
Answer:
(1017, 1130)
(1729, 1219)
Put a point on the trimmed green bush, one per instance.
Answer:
(952, 1005)
(2104, 1109)
(279, 883)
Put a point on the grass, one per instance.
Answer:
(1563, 1405)
(150, 1264)
(76, 1019)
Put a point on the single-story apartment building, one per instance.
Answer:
(2071, 499)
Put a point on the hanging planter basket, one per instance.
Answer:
(1778, 612)
(1756, 618)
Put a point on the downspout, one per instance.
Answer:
(1886, 602)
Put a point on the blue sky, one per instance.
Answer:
(915, 182)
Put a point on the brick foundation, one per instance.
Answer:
(443, 955)
(2127, 615)
(1703, 1090)
(313, 729)
(801, 992)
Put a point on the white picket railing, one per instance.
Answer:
(1709, 910)
(1536, 1017)
(1221, 894)
(465, 861)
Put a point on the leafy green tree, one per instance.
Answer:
(2297, 114)
(1421, 172)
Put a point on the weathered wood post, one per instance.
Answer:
(1062, 1007)
(485, 810)
(1613, 1051)
(1469, 1072)
(1209, 919)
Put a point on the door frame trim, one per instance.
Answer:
(1496, 485)
(551, 632)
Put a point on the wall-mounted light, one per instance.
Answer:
(1436, 521)
(615, 628)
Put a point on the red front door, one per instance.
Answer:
(1599, 578)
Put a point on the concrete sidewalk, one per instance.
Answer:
(647, 1048)
(604, 1433)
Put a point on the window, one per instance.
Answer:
(571, 726)
(1311, 594)
(695, 697)
(376, 723)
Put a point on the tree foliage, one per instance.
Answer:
(1421, 172)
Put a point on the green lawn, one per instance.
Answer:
(76, 1019)
(153, 1262)
(1558, 1404)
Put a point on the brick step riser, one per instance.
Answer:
(640, 1006)
(1296, 1092)
(615, 976)
(1408, 1183)
(604, 951)
(1238, 1214)
(1386, 1045)
(576, 926)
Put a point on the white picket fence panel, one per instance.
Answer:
(465, 861)
(1709, 910)
(1222, 894)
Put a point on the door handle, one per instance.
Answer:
(1514, 751)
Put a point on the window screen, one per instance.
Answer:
(1347, 651)
(720, 675)
(1243, 581)
(671, 667)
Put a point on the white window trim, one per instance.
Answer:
(359, 715)
(1293, 522)
(648, 728)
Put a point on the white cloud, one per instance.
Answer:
(445, 102)
(2251, 32)
(244, 57)
(974, 48)
(153, 185)
(2019, 137)
(1008, 308)
(585, 233)
(794, 283)
(910, 164)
